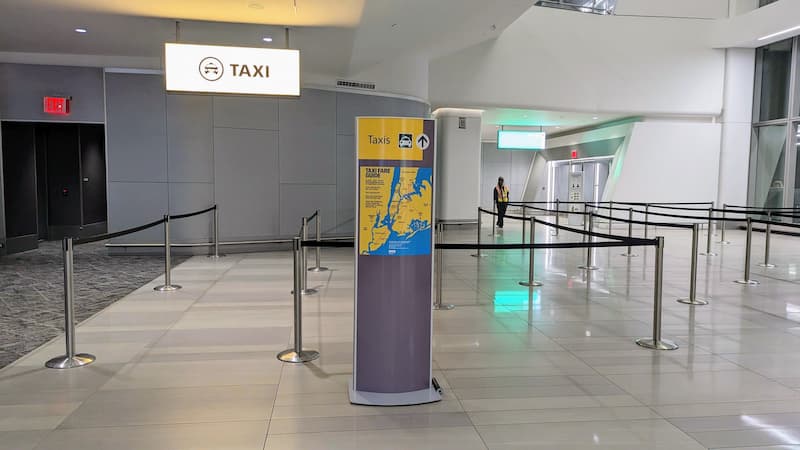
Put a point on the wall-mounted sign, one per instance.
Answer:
(520, 140)
(232, 70)
(58, 106)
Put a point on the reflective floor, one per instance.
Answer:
(551, 368)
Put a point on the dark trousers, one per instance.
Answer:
(501, 212)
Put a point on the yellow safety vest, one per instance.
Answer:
(502, 194)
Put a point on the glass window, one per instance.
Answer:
(770, 154)
(775, 61)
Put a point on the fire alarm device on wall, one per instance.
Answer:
(57, 105)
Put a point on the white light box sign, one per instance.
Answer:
(232, 70)
(521, 140)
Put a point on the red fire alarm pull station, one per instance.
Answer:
(56, 105)
(574, 154)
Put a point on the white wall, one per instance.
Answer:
(743, 30)
(563, 61)
(736, 126)
(458, 168)
(669, 162)
(536, 186)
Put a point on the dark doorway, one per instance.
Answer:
(54, 179)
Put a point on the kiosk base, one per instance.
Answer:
(420, 397)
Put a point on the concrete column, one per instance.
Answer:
(458, 164)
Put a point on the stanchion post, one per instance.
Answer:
(558, 215)
(656, 342)
(304, 257)
(478, 253)
(722, 239)
(630, 253)
(215, 230)
(708, 251)
(748, 245)
(439, 263)
(589, 263)
(494, 219)
(167, 286)
(70, 359)
(692, 299)
(531, 279)
(610, 215)
(297, 354)
(767, 237)
(524, 217)
(317, 258)
(646, 218)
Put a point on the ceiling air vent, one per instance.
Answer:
(350, 84)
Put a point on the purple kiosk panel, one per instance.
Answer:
(394, 261)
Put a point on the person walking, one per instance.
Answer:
(501, 200)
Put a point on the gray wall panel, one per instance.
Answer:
(298, 200)
(133, 204)
(23, 86)
(136, 129)
(349, 106)
(190, 138)
(345, 184)
(308, 138)
(247, 182)
(246, 112)
(189, 197)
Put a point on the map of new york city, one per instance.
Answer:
(395, 211)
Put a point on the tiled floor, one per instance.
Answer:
(552, 368)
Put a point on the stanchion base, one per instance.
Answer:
(588, 268)
(767, 266)
(709, 254)
(444, 307)
(291, 356)
(216, 256)
(530, 283)
(167, 288)
(318, 269)
(478, 255)
(747, 282)
(65, 362)
(656, 345)
(629, 255)
(695, 302)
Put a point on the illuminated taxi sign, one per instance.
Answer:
(232, 70)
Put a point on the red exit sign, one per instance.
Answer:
(56, 105)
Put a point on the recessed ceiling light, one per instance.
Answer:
(267, 39)
(558, 127)
(595, 118)
(81, 30)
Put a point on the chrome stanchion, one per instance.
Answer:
(610, 215)
(767, 234)
(494, 219)
(630, 253)
(524, 217)
(558, 215)
(478, 253)
(589, 250)
(656, 343)
(708, 251)
(439, 269)
(304, 254)
(531, 281)
(646, 218)
(216, 254)
(167, 286)
(297, 354)
(317, 266)
(724, 225)
(71, 359)
(693, 300)
(748, 245)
